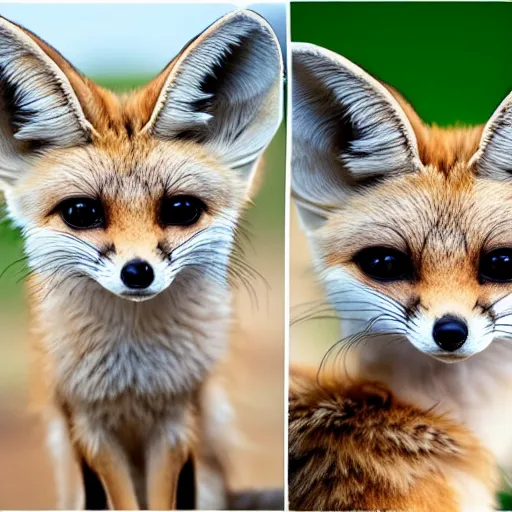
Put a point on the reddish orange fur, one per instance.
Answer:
(106, 111)
(354, 446)
(441, 147)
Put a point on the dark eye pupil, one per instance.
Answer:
(82, 213)
(384, 264)
(497, 265)
(181, 211)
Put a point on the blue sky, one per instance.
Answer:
(117, 39)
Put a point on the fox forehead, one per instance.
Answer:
(444, 221)
(198, 128)
(133, 172)
(439, 216)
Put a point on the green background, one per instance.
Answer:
(452, 61)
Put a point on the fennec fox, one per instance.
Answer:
(354, 446)
(411, 231)
(129, 206)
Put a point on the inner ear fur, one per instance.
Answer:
(31, 69)
(224, 91)
(493, 159)
(349, 130)
(44, 100)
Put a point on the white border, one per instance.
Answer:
(287, 203)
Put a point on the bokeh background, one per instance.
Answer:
(451, 60)
(122, 47)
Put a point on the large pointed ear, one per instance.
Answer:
(225, 91)
(494, 155)
(38, 105)
(348, 130)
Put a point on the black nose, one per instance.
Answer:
(137, 274)
(450, 333)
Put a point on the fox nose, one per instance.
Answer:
(137, 274)
(450, 333)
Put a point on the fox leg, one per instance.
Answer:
(164, 466)
(212, 485)
(110, 464)
(217, 433)
(68, 478)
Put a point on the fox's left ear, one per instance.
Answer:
(494, 156)
(225, 91)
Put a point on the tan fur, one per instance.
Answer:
(445, 219)
(106, 111)
(446, 213)
(354, 446)
(126, 386)
(115, 151)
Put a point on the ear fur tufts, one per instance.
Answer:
(494, 156)
(38, 98)
(348, 130)
(380, 138)
(224, 90)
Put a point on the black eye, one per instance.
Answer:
(82, 213)
(181, 210)
(496, 265)
(384, 264)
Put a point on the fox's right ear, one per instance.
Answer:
(39, 106)
(348, 130)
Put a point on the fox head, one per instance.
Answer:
(129, 191)
(410, 225)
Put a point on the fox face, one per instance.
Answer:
(410, 225)
(127, 192)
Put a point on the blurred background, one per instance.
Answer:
(121, 47)
(451, 61)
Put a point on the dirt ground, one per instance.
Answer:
(256, 388)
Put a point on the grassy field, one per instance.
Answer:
(256, 373)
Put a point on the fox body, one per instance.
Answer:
(410, 232)
(355, 446)
(129, 207)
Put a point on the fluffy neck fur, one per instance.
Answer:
(103, 348)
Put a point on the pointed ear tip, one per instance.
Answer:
(306, 52)
(7, 24)
(309, 49)
(252, 17)
(300, 50)
(248, 14)
(298, 47)
(313, 50)
(259, 23)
